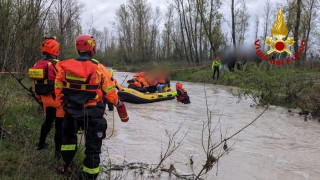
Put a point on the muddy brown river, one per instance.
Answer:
(279, 145)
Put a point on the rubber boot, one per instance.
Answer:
(64, 170)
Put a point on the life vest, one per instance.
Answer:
(134, 83)
(182, 95)
(143, 81)
(43, 73)
(79, 82)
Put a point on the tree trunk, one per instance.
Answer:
(296, 30)
(233, 25)
(308, 30)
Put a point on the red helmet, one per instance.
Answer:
(142, 73)
(86, 42)
(50, 46)
(217, 58)
(178, 85)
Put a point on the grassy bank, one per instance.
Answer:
(20, 122)
(284, 86)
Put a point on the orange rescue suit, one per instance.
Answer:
(46, 92)
(143, 81)
(84, 75)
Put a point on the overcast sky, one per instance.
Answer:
(102, 12)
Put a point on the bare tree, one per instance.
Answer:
(241, 22)
(296, 27)
(137, 27)
(233, 25)
(211, 23)
(309, 15)
(21, 24)
(267, 11)
(256, 25)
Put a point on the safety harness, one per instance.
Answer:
(79, 84)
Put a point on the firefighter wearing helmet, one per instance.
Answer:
(216, 66)
(80, 86)
(43, 74)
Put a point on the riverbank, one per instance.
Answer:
(289, 87)
(20, 122)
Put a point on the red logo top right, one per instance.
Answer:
(278, 43)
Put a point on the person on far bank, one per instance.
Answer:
(43, 74)
(216, 66)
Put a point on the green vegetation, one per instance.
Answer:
(284, 86)
(20, 121)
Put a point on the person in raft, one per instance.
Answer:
(80, 85)
(182, 95)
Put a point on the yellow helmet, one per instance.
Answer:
(111, 72)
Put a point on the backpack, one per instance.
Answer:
(79, 84)
(43, 73)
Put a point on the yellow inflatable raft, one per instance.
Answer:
(134, 96)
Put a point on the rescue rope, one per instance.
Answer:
(113, 114)
(112, 125)
(13, 73)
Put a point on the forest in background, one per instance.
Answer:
(192, 32)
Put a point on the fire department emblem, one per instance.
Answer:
(279, 31)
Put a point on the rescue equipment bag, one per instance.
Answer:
(79, 85)
(43, 73)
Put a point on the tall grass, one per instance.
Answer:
(21, 122)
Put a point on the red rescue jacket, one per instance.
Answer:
(43, 73)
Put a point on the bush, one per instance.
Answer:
(284, 86)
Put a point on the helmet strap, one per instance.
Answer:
(49, 56)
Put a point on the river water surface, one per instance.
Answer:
(279, 145)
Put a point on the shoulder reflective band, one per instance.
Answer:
(94, 60)
(56, 60)
(58, 85)
(124, 118)
(91, 171)
(108, 89)
(73, 77)
(36, 73)
(68, 147)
